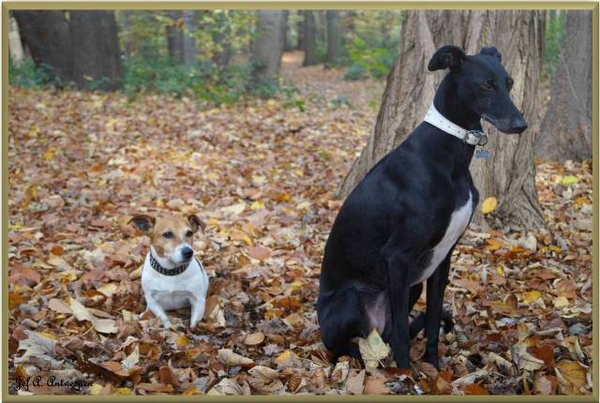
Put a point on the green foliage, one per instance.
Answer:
(206, 81)
(25, 74)
(371, 52)
(553, 39)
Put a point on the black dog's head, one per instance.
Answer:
(482, 85)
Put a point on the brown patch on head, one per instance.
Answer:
(169, 232)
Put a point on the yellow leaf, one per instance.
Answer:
(580, 201)
(489, 205)
(182, 341)
(257, 205)
(500, 271)
(95, 389)
(108, 289)
(122, 391)
(573, 373)
(531, 296)
(494, 244)
(569, 180)
(48, 155)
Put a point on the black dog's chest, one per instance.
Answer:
(457, 223)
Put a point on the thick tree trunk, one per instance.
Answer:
(509, 174)
(97, 60)
(188, 40)
(310, 39)
(566, 131)
(300, 27)
(46, 34)
(334, 36)
(15, 47)
(174, 37)
(268, 45)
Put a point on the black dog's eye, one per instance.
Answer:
(487, 86)
(189, 233)
(509, 83)
(168, 235)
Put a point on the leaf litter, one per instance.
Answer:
(262, 176)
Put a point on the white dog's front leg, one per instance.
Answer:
(198, 307)
(157, 310)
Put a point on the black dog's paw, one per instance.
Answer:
(418, 323)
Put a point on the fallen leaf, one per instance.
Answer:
(228, 357)
(488, 205)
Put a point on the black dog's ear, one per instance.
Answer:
(491, 51)
(447, 57)
(143, 222)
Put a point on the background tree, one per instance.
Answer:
(95, 45)
(15, 47)
(267, 47)
(334, 37)
(310, 38)
(83, 48)
(566, 130)
(509, 174)
(47, 37)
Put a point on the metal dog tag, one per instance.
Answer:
(482, 154)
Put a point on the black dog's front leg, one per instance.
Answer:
(436, 285)
(399, 301)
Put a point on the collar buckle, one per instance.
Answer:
(476, 137)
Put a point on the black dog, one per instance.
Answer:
(400, 224)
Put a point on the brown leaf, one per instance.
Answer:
(474, 389)
(376, 386)
(355, 382)
(259, 252)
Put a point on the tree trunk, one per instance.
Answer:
(128, 46)
(96, 60)
(566, 130)
(334, 37)
(310, 39)
(15, 47)
(509, 175)
(268, 45)
(46, 34)
(188, 40)
(174, 37)
(300, 27)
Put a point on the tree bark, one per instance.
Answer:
(566, 130)
(268, 46)
(300, 27)
(96, 60)
(174, 37)
(188, 41)
(310, 39)
(509, 175)
(334, 37)
(46, 34)
(15, 47)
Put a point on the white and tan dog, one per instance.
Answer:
(172, 278)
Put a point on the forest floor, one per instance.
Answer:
(262, 176)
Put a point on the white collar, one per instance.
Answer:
(472, 137)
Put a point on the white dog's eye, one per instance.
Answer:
(168, 235)
(189, 233)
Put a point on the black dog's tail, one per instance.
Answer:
(418, 323)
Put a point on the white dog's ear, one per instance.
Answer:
(196, 223)
(143, 222)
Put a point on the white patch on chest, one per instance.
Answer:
(458, 224)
